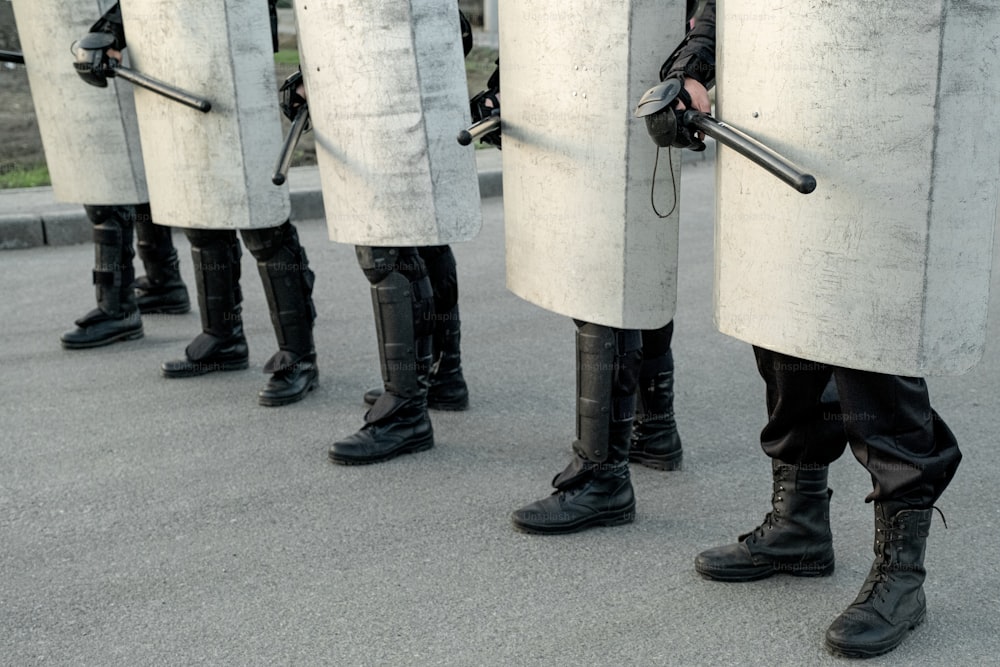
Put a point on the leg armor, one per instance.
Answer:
(595, 489)
(607, 374)
(161, 290)
(288, 285)
(221, 346)
(404, 307)
(216, 256)
(117, 315)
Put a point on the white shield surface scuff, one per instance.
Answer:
(582, 237)
(90, 134)
(387, 97)
(886, 266)
(209, 170)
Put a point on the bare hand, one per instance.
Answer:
(699, 96)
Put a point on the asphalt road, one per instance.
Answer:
(146, 521)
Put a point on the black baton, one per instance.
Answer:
(11, 57)
(480, 128)
(751, 149)
(291, 140)
(160, 88)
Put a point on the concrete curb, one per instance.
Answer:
(47, 222)
(31, 217)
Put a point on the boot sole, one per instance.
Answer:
(431, 405)
(673, 462)
(422, 445)
(758, 573)
(872, 651)
(120, 338)
(286, 400)
(165, 310)
(616, 518)
(205, 369)
(448, 407)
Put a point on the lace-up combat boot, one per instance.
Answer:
(794, 538)
(891, 601)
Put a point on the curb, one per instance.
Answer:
(55, 224)
(33, 218)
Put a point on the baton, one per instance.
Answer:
(11, 57)
(160, 88)
(751, 149)
(480, 128)
(291, 140)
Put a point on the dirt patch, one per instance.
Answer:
(21, 148)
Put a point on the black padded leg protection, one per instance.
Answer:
(288, 285)
(216, 257)
(607, 375)
(403, 304)
(113, 272)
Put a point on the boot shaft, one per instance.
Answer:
(900, 544)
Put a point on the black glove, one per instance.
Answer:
(664, 122)
(91, 59)
(291, 101)
(480, 111)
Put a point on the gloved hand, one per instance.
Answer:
(91, 59)
(293, 96)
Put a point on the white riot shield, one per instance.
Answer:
(209, 170)
(886, 266)
(582, 237)
(90, 135)
(387, 97)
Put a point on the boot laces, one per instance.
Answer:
(772, 518)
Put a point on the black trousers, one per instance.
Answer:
(907, 448)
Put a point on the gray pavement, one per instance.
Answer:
(146, 521)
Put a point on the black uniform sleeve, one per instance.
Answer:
(466, 28)
(111, 23)
(695, 57)
(272, 8)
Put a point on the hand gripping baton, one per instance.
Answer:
(669, 127)
(92, 63)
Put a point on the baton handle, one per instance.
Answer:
(11, 57)
(288, 148)
(160, 88)
(479, 128)
(752, 149)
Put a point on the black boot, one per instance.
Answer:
(596, 488)
(655, 441)
(398, 422)
(221, 346)
(288, 284)
(587, 494)
(448, 390)
(116, 317)
(794, 539)
(161, 290)
(891, 601)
